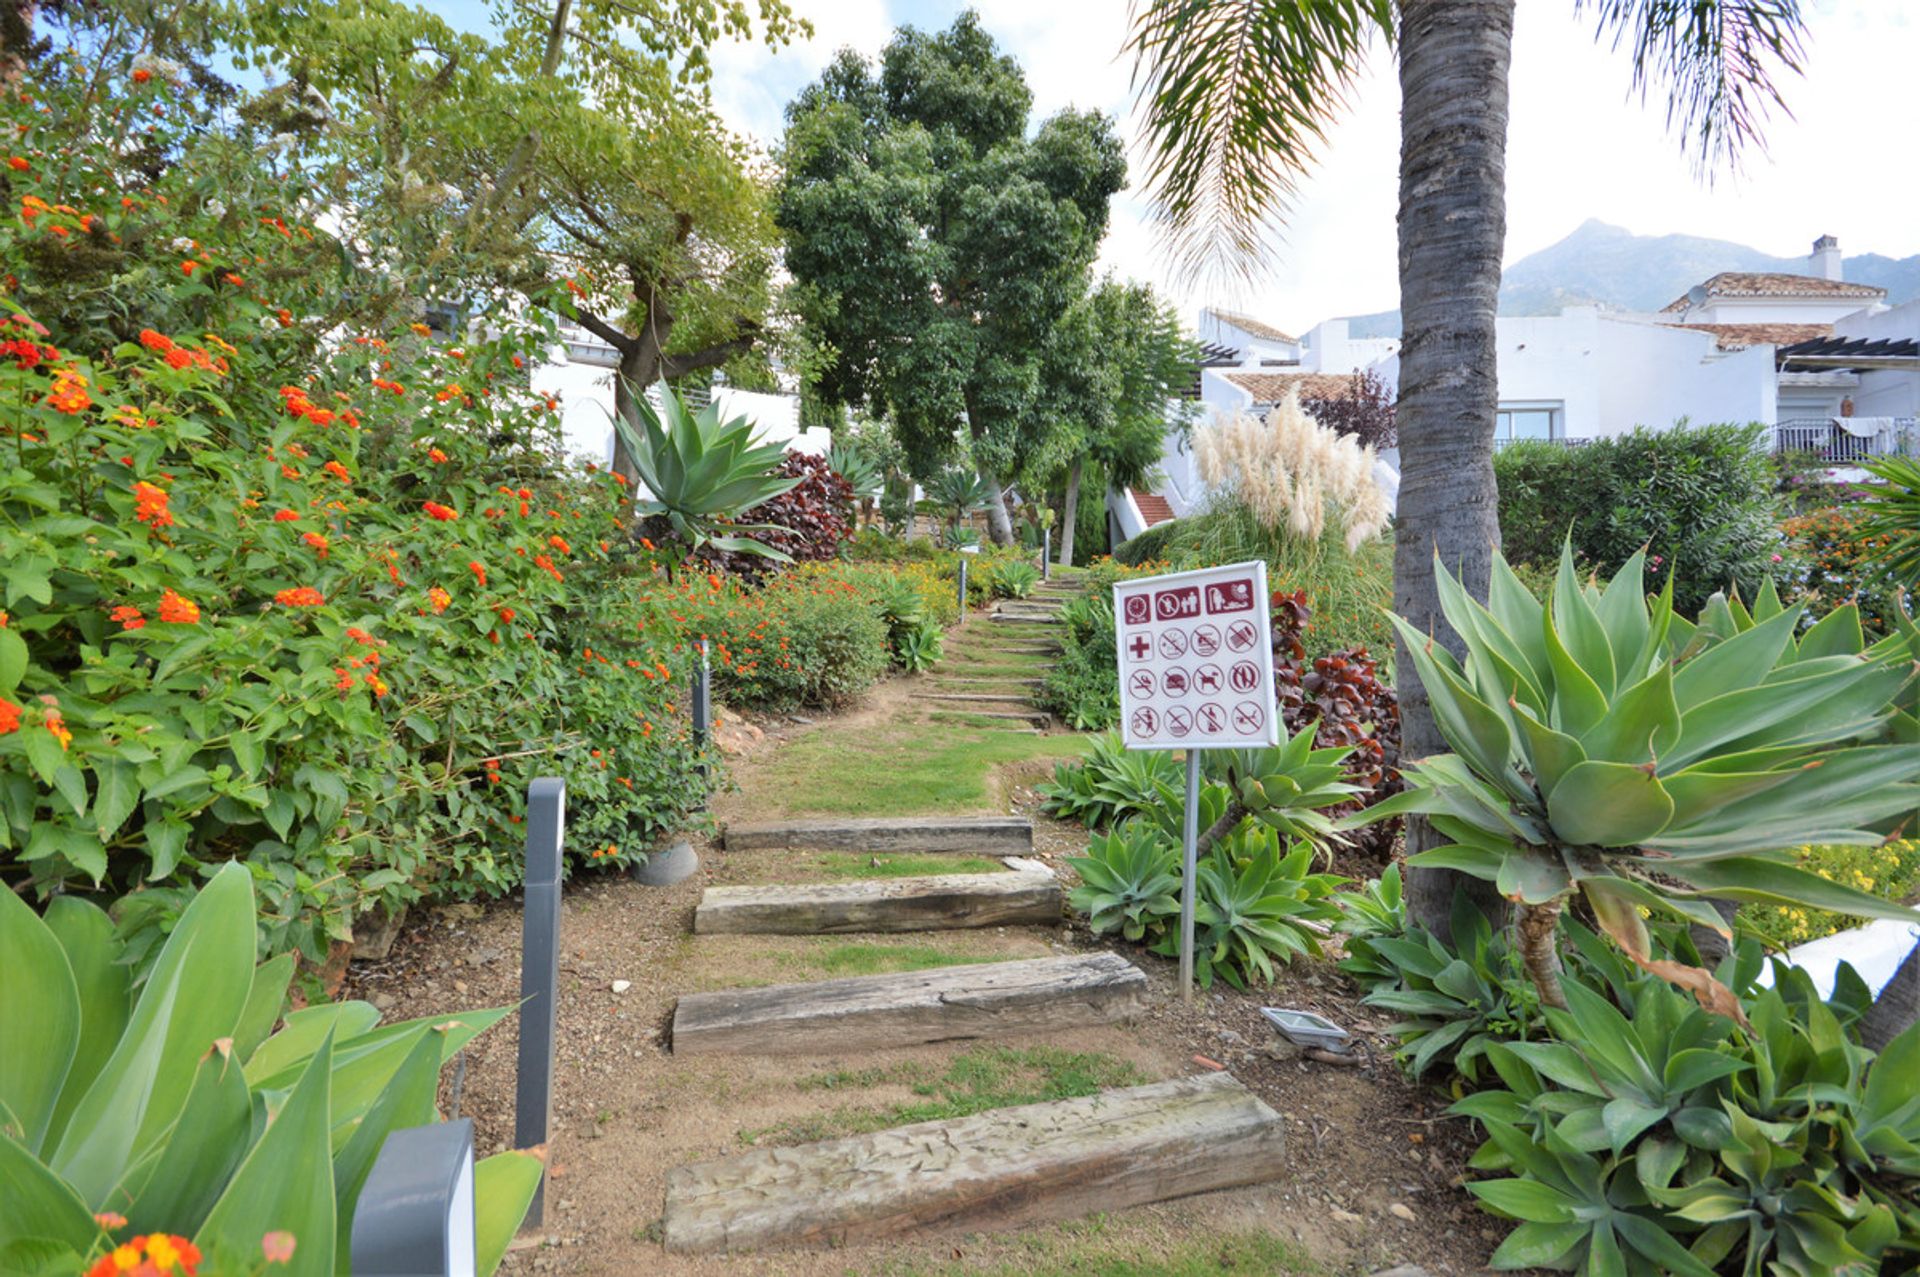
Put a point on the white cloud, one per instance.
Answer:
(1579, 144)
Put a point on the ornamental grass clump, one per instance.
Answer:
(1293, 472)
(1604, 746)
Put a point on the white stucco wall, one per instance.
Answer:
(1328, 348)
(1655, 376)
(1771, 310)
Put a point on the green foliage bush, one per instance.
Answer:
(1636, 1131)
(1348, 592)
(1112, 783)
(1701, 499)
(176, 1109)
(320, 604)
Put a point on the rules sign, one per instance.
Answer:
(1196, 670)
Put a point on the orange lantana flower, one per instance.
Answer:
(176, 610)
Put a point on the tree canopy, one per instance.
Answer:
(935, 245)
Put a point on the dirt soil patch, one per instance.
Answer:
(1374, 1169)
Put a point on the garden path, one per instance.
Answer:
(1367, 1172)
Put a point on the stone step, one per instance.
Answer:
(1035, 718)
(936, 903)
(1004, 618)
(987, 835)
(1007, 1168)
(909, 1008)
(979, 698)
(964, 681)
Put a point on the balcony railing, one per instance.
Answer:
(1824, 438)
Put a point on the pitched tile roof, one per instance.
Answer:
(1154, 508)
(1254, 327)
(1272, 387)
(1735, 283)
(1741, 336)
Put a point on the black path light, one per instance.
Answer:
(539, 972)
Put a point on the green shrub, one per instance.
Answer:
(177, 1109)
(1890, 871)
(1157, 542)
(1012, 579)
(814, 635)
(315, 601)
(1700, 499)
(1113, 783)
(1082, 684)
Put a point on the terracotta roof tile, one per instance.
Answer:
(1272, 387)
(1734, 283)
(1154, 508)
(1257, 328)
(1741, 336)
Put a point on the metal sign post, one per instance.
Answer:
(1196, 672)
(1046, 554)
(963, 587)
(539, 972)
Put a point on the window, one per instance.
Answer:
(1527, 421)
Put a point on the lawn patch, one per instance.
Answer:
(901, 864)
(1083, 1248)
(834, 960)
(909, 769)
(983, 1078)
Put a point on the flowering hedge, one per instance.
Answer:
(310, 599)
(1837, 558)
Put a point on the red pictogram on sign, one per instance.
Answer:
(1206, 640)
(1241, 636)
(1175, 680)
(1145, 721)
(1244, 676)
(1138, 609)
(1141, 683)
(1177, 605)
(1211, 719)
(1248, 717)
(1179, 721)
(1139, 647)
(1229, 596)
(1173, 643)
(1208, 680)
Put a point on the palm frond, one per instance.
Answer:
(1234, 96)
(1719, 62)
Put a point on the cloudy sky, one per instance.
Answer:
(1580, 145)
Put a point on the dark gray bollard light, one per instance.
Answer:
(702, 703)
(963, 587)
(1046, 554)
(415, 1215)
(539, 971)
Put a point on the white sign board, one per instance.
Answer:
(1196, 660)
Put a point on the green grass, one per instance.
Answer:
(901, 864)
(986, 1077)
(904, 769)
(1082, 1248)
(875, 959)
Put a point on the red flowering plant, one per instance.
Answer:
(274, 598)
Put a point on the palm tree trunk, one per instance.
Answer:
(1072, 511)
(1454, 58)
(1539, 930)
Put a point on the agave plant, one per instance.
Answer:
(701, 473)
(958, 493)
(860, 471)
(1286, 787)
(1603, 746)
(1129, 881)
(1013, 579)
(181, 1111)
(1255, 906)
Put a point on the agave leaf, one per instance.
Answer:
(1549, 752)
(1623, 615)
(1836, 634)
(1754, 878)
(1578, 625)
(1609, 805)
(1641, 724)
(1740, 662)
(42, 1006)
(1755, 717)
(1578, 701)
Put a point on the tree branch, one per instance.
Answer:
(712, 356)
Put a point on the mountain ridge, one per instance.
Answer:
(1603, 265)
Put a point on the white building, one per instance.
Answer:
(1825, 362)
(579, 374)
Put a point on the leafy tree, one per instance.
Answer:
(570, 160)
(1237, 94)
(1364, 410)
(935, 245)
(1115, 367)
